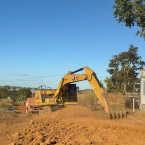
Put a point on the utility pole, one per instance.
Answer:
(24, 97)
(68, 65)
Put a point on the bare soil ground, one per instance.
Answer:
(74, 125)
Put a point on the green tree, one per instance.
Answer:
(24, 93)
(124, 69)
(131, 12)
(3, 93)
(13, 94)
(110, 85)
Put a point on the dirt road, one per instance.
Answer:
(74, 125)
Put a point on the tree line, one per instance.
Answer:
(20, 95)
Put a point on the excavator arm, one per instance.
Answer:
(114, 106)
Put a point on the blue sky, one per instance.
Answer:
(39, 37)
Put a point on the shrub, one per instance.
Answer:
(5, 104)
(88, 99)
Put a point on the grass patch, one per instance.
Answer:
(88, 99)
(5, 104)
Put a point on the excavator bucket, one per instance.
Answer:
(114, 105)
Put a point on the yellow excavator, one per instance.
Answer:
(114, 105)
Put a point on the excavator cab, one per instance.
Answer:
(71, 93)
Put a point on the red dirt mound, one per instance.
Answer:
(68, 112)
(75, 111)
(75, 125)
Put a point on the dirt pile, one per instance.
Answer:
(59, 127)
(74, 111)
(70, 112)
(77, 125)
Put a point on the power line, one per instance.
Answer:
(26, 79)
(13, 37)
